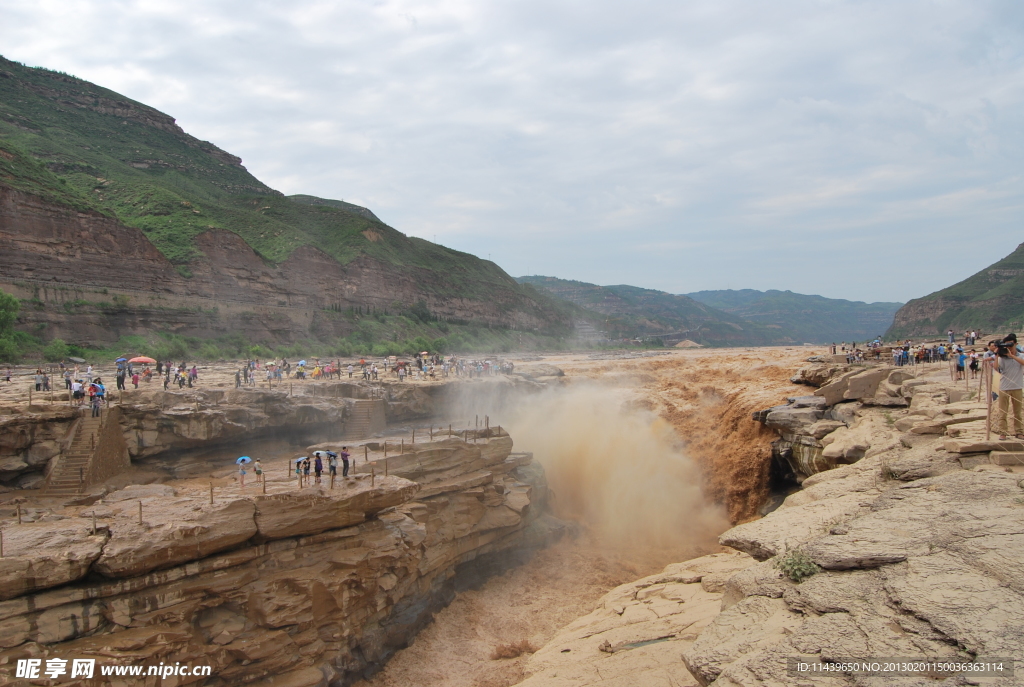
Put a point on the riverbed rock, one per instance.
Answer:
(912, 564)
(635, 635)
(818, 374)
(791, 419)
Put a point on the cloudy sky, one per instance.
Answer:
(862, 150)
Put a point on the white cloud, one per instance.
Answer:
(683, 146)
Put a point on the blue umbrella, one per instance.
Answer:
(121, 360)
(302, 362)
(243, 459)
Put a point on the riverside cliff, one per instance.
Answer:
(310, 586)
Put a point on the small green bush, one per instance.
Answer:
(56, 351)
(796, 565)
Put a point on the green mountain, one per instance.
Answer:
(106, 153)
(991, 300)
(631, 312)
(811, 319)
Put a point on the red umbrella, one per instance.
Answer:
(142, 359)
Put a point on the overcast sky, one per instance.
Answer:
(861, 150)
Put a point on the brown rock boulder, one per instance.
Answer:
(46, 554)
(189, 529)
(314, 510)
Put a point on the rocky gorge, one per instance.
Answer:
(306, 586)
(904, 540)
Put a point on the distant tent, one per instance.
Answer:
(686, 343)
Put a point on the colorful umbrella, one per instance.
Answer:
(243, 459)
(142, 359)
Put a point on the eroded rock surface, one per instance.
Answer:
(303, 587)
(918, 550)
(635, 635)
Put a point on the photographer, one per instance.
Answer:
(1010, 365)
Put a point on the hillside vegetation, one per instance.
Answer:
(103, 152)
(991, 300)
(805, 318)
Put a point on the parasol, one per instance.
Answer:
(243, 459)
(142, 359)
(121, 360)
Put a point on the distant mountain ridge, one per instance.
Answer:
(990, 300)
(624, 311)
(722, 318)
(807, 318)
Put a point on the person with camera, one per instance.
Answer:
(1010, 365)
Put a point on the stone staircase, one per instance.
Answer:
(66, 478)
(366, 419)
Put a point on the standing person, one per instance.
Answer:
(961, 361)
(351, 369)
(1010, 365)
(96, 401)
(258, 469)
(344, 461)
(298, 470)
(135, 379)
(39, 379)
(67, 379)
(9, 374)
(238, 379)
(305, 468)
(318, 466)
(76, 391)
(332, 463)
(241, 474)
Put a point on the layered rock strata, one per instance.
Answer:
(311, 586)
(60, 259)
(820, 432)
